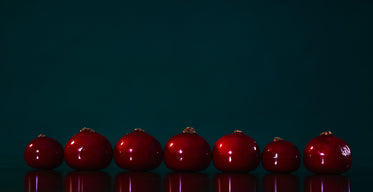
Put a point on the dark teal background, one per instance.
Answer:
(269, 68)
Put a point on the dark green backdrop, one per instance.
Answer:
(269, 68)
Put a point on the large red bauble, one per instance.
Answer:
(43, 181)
(187, 152)
(327, 154)
(44, 153)
(88, 150)
(138, 151)
(281, 156)
(236, 152)
(327, 183)
(92, 181)
(237, 182)
(137, 182)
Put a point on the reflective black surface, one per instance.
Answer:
(235, 182)
(280, 183)
(93, 181)
(137, 182)
(41, 180)
(163, 180)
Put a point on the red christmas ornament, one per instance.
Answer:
(327, 154)
(187, 152)
(281, 156)
(138, 151)
(236, 152)
(88, 150)
(44, 153)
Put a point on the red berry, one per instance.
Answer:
(186, 182)
(88, 150)
(43, 181)
(327, 154)
(281, 156)
(187, 152)
(281, 182)
(321, 183)
(138, 151)
(137, 182)
(44, 153)
(237, 182)
(92, 181)
(236, 152)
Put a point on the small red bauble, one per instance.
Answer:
(88, 150)
(187, 152)
(327, 154)
(281, 156)
(236, 152)
(44, 153)
(138, 151)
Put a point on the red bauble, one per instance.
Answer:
(236, 152)
(44, 153)
(281, 156)
(43, 181)
(92, 181)
(88, 150)
(237, 182)
(138, 151)
(187, 152)
(322, 183)
(186, 182)
(327, 154)
(137, 182)
(281, 183)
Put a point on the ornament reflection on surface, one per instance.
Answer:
(92, 181)
(281, 183)
(235, 182)
(186, 182)
(327, 183)
(43, 180)
(137, 182)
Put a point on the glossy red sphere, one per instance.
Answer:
(187, 152)
(186, 182)
(281, 156)
(44, 153)
(137, 182)
(236, 182)
(88, 150)
(43, 181)
(327, 154)
(138, 151)
(236, 152)
(327, 183)
(281, 183)
(92, 181)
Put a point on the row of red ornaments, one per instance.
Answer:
(187, 151)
